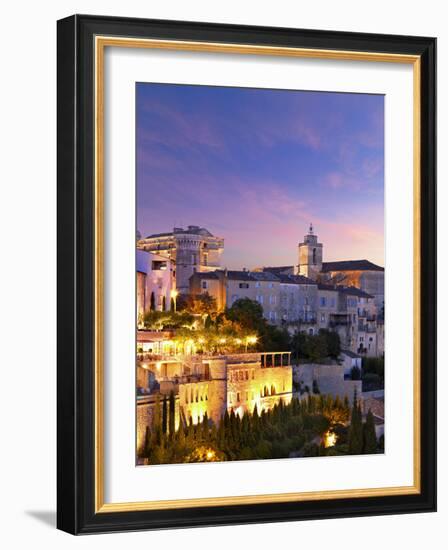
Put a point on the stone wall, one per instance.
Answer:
(329, 379)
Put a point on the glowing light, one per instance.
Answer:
(210, 455)
(158, 365)
(222, 341)
(201, 340)
(330, 439)
(238, 341)
(174, 293)
(252, 339)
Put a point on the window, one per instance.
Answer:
(244, 285)
(235, 297)
(205, 258)
(311, 332)
(158, 265)
(238, 396)
(332, 302)
(246, 374)
(204, 284)
(259, 298)
(257, 284)
(271, 285)
(354, 318)
(314, 255)
(322, 317)
(272, 299)
(323, 301)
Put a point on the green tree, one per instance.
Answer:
(333, 342)
(316, 348)
(152, 305)
(370, 443)
(157, 423)
(172, 414)
(164, 416)
(248, 313)
(201, 304)
(355, 434)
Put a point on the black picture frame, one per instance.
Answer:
(76, 271)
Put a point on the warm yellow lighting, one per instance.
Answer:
(222, 341)
(330, 439)
(158, 365)
(174, 293)
(238, 341)
(210, 455)
(201, 340)
(252, 339)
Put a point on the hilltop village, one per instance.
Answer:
(221, 351)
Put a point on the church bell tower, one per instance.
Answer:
(310, 255)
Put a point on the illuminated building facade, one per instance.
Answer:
(206, 384)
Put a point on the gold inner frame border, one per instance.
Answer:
(101, 42)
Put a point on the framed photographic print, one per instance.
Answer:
(246, 274)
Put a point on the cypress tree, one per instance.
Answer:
(157, 422)
(172, 415)
(205, 428)
(370, 443)
(164, 416)
(152, 305)
(147, 444)
(355, 435)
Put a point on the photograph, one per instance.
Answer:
(260, 271)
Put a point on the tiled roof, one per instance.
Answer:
(278, 269)
(350, 265)
(240, 276)
(206, 275)
(295, 279)
(353, 291)
(322, 286)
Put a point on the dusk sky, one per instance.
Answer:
(257, 166)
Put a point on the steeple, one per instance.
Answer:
(310, 255)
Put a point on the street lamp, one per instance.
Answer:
(250, 340)
(174, 295)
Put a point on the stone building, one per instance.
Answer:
(310, 255)
(285, 298)
(361, 274)
(154, 282)
(191, 250)
(206, 384)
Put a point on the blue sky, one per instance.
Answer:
(257, 166)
